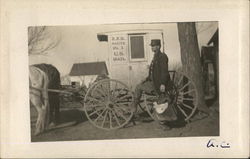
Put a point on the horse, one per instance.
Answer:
(42, 79)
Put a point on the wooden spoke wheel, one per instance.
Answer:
(186, 97)
(183, 96)
(107, 104)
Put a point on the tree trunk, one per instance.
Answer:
(190, 57)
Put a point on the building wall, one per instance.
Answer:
(83, 80)
(65, 80)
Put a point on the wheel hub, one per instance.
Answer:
(110, 105)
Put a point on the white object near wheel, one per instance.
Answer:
(183, 94)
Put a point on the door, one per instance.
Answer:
(138, 59)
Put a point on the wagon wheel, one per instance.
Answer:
(107, 104)
(183, 95)
(148, 103)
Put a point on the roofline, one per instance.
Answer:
(207, 46)
(212, 38)
(130, 31)
(89, 62)
(104, 62)
(83, 75)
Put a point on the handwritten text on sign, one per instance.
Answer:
(118, 49)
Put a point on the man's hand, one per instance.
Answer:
(162, 88)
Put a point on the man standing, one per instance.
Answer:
(158, 78)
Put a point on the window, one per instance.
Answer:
(137, 50)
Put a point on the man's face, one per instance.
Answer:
(155, 48)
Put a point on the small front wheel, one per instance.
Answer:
(108, 103)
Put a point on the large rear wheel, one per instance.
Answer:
(183, 95)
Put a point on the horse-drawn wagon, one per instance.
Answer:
(107, 102)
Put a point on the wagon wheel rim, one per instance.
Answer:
(148, 102)
(184, 100)
(107, 104)
(186, 95)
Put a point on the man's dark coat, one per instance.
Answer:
(158, 71)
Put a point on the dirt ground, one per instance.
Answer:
(82, 129)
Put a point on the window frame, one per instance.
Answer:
(144, 46)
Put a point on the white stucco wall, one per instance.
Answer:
(121, 65)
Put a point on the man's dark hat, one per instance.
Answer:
(155, 42)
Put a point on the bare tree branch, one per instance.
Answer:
(40, 40)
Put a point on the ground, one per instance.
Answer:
(82, 129)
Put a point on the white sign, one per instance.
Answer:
(118, 44)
